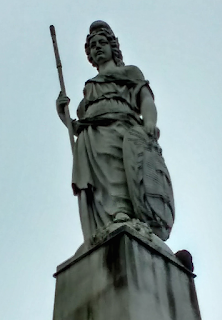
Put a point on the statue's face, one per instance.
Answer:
(100, 49)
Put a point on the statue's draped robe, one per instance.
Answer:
(117, 166)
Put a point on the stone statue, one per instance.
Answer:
(119, 173)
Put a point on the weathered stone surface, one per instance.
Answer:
(119, 172)
(128, 277)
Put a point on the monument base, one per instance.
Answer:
(127, 277)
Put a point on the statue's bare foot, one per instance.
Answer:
(121, 217)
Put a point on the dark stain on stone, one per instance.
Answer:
(83, 312)
(132, 265)
(171, 298)
(114, 261)
(193, 298)
(155, 280)
(89, 312)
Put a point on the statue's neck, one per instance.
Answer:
(107, 67)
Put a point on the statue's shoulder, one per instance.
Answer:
(134, 72)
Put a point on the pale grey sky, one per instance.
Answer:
(178, 46)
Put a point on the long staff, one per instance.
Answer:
(62, 85)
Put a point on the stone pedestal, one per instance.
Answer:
(127, 277)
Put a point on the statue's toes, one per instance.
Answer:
(121, 217)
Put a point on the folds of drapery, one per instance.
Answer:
(119, 168)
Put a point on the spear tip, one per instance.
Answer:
(52, 30)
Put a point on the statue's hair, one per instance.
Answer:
(102, 28)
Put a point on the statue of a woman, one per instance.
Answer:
(119, 173)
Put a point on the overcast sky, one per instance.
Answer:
(178, 46)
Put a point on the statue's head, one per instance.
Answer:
(100, 27)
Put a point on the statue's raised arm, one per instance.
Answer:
(119, 174)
